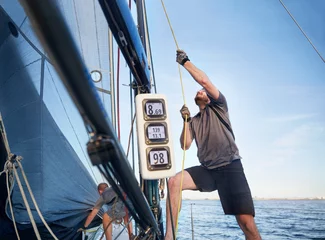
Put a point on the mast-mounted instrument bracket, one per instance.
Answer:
(101, 149)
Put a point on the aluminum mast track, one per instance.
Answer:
(126, 34)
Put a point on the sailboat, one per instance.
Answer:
(42, 124)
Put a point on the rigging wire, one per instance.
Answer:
(151, 58)
(131, 132)
(98, 52)
(118, 93)
(185, 122)
(303, 32)
(148, 47)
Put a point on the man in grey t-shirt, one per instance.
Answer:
(115, 210)
(220, 163)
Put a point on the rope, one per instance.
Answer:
(8, 197)
(179, 67)
(185, 123)
(170, 212)
(26, 204)
(10, 204)
(302, 31)
(170, 25)
(4, 136)
(10, 165)
(7, 165)
(34, 201)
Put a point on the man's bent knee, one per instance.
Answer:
(174, 182)
(188, 183)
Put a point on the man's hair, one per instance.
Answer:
(102, 186)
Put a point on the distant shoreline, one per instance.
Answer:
(263, 199)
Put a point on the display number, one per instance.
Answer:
(158, 157)
(154, 108)
(156, 132)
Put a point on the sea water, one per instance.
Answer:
(275, 219)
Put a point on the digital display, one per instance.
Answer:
(156, 132)
(154, 108)
(158, 157)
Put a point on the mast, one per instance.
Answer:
(110, 158)
(151, 189)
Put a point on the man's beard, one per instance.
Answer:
(201, 100)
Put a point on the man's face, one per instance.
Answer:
(201, 97)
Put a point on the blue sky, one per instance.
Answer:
(271, 76)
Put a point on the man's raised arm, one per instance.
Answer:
(199, 76)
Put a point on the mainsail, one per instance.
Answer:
(42, 124)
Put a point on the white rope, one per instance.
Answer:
(9, 165)
(10, 204)
(26, 203)
(6, 168)
(4, 136)
(34, 201)
(8, 197)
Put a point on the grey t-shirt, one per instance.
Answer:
(115, 207)
(108, 197)
(215, 143)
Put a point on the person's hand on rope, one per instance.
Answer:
(185, 112)
(181, 57)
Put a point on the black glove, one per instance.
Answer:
(181, 57)
(185, 112)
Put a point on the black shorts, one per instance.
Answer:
(231, 183)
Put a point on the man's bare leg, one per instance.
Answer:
(108, 229)
(174, 194)
(248, 226)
